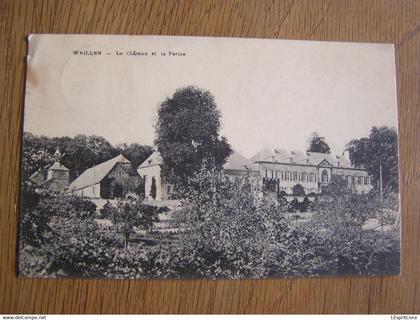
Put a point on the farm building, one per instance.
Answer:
(236, 168)
(115, 178)
(53, 178)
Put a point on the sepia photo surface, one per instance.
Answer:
(192, 157)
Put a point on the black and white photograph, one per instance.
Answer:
(164, 157)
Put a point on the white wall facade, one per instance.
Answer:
(163, 189)
(93, 191)
(311, 177)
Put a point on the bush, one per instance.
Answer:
(37, 215)
(236, 234)
(298, 190)
(81, 248)
(131, 213)
(60, 237)
(341, 239)
(107, 211)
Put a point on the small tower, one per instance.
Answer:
(59, 175)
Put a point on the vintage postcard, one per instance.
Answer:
(192, 157)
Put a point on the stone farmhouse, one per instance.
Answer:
(236, 168)
(54, 178)
(281, 170)
(115, 178)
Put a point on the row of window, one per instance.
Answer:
(291, 176)
(312, 177)
(357, 180)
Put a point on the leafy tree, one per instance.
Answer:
(36, 154)
(86, 151)
(35, 221)
(187, 135)
(305, 204)
(130, 214)
(293, 206)
(60, 237)
(79, 153)
(357, 249)
(107, 211)
(318, 144)
(150, 216)
(381, 147)
(231, 233)
(135, 152)
(298, 190)
(282, 194)
(337, 187)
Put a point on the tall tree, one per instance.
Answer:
(318, 144)
(187, 135)
(380, 149)
(131, 213)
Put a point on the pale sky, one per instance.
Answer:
(271, 93)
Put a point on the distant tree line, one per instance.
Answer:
(78, 153)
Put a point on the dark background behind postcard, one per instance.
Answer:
(397, 22)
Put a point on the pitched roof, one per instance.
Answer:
(95, 174)
(262, 155)
(153, 160)
(39, 172)
(58, 166)
(299, 157)
(236, 161)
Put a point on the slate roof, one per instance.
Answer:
(299, 157)
(95, 174)
(43, 171)
(58, 166)
(236, 161)
(153, 160)
(33, 175)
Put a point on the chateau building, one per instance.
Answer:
(283, 170)
(280, 169)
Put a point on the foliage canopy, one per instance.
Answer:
(381, 147)
(187, 134)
